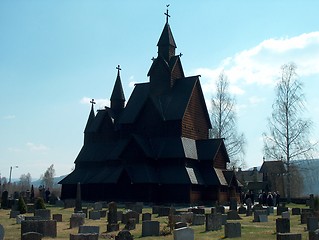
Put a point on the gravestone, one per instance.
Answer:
(137, 207)
(314, 235)
(30, 208)
(257, 213)
(232, 230)
(270, 210)
(48, 228)
(78, 201)
(130, 214)
(97, 206)
(180, 225)
(282, 225)
(84, 236)
(31, 236)
(112, 220)
(44, 214)
(102, 213)
(242, 210)
(304, 216)
(233, 204)
(197, 210)
(130, 224)
(289, 236)
(263, 218)
(183, 234)
(312, 223)
(220, 209)
(77, 219)
(281, 209)
(224, 219)
(57, 217)
(31, 218)
(14, 214)
(119, 215)
(187, 217)
(295, 211)
(1, 232)
(164, 211)
(89, 229)
(150, 228)
(124, 235)
(285, 215)
(233, 215)
(198, 219)
(155, 209)
(94, 215)
(213, 222)
(146, 217)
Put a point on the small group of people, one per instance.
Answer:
(269, 199)
(266, 199)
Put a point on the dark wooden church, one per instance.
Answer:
(156, 147)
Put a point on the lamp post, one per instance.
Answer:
(10, 177)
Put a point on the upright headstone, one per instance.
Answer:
(94, 215)
(112, 220)
(89, 229)
(233, 230)
(312, 223)
(198, 219)
(233, 204)
(213, 222)
(150, 228)
(281, 209)
(77, 219)
(130, 214)
(124, 235)
(311, 201)
(78, 201)
(48, 228)
(146, 217)
(304, 215)
(98, 206)
(258, 213)
(1, 232)
(285, 215)
(44, 214)
(130, 224)
(183, 234)
(283, 225)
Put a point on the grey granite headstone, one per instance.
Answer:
(263, 218)
(285, 215)
(213, 222)
(304, 216)
(295, 211)
(44, 214)
(312, 223)
(183, 234)
(150, 228)
(98, 206)
(57, 217)
(280, 210)
(1, 232)
(130, 214)
(48, 228)
(94, 215)
(232, 230)
(187, 217)
(89, 229)
(77, 219)
(112, 218)
(259, 212)
(198, 219)
(283, 225)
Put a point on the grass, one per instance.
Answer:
(249, 229)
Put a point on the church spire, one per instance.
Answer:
(91, 117)
(166, 44)
(117, 97)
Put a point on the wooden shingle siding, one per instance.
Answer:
(194, 123)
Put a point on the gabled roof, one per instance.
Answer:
(208, 148)
(275, 167)
(166, 37)
(230, 177)
(90, 121)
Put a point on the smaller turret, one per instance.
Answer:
(117, 97)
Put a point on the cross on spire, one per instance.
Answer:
(118, 68)
(167, 15)
(92, 102)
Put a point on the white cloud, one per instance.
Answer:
(9, 117)
(37, 147)
(100, 103)
(261, 64)
(255, 100)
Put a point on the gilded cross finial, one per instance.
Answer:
(167, 15)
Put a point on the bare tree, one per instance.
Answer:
(224, 122)
(25, 182)
(288, 137)
(48, 177)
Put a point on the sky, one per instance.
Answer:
(57, 55)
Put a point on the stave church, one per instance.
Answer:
(155, 148)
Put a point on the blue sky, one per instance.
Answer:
(56, 55)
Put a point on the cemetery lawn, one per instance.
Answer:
(249, 229)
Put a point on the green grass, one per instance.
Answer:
(250, 229)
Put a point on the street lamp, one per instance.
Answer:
(11, 172)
